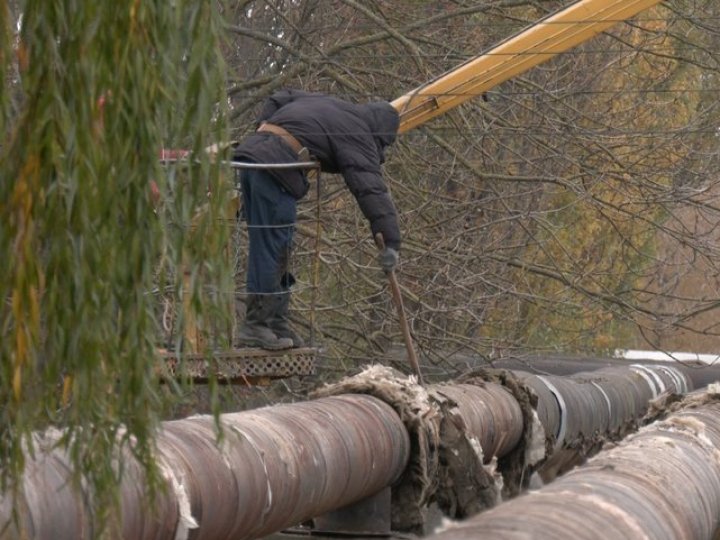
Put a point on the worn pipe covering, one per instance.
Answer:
(548, 408)
(602, 401)
(491, 415)
(662, 483)
(627, 395)
(282, 465)
(276, 467)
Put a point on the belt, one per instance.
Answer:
(285, 134)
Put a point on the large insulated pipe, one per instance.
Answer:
(701, 374)
(572, 418)
(602, 400)
(276, 467)
(582, 411)
(490, 414)
(582, 405)
(464, 426)
(662, 483)
(285, 464)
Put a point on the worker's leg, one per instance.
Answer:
(280, 323)
(270, 213)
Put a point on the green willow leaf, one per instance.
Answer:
(101, 88)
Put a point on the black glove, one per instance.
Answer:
(389, 258)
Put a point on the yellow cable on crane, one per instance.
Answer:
(553, 35)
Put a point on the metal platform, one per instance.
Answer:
(240, 366)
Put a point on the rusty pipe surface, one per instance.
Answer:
(600, 401)
(282, 465)
(581, 406)
(581, 412)
(662, 483)
(490, 413)
(276, 467)
(573, 418)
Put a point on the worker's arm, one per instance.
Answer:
(376, 205)
(375, 202)
(358, 161)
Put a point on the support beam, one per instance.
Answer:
(545, 39)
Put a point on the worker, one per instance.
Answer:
(345, 138)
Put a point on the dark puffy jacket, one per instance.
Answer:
(346, 138)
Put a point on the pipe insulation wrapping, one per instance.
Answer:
(457, 444)
(490, 414)
(608, 400)
(275, 467)
(661, 483)
(479, 439)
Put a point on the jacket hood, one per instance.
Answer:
(384, 121)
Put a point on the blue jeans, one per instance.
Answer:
(270, 212)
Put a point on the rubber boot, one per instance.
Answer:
(255, 331)
(280, 321)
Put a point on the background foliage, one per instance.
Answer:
(571, 209)
(91, 92)
(561, 212)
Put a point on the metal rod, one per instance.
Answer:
(398, 301)
(243, 165)
(316, 256)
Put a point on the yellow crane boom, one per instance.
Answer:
(548, 37)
